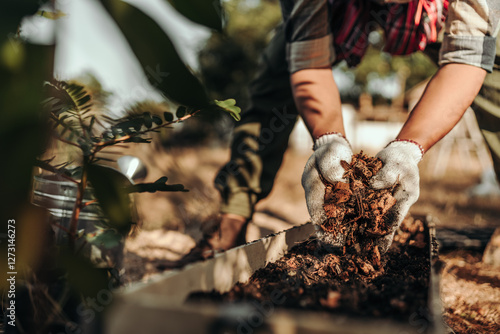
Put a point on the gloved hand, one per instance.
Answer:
(329, 150)
(400, 159)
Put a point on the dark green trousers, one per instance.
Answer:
(261, 137)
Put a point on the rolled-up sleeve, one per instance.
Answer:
(470, 33)
(308, 34)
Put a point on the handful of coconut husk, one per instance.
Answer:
(358, 213)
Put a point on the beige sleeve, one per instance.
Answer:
(470, 33)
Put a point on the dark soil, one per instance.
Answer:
(311, 278)
(356, 278)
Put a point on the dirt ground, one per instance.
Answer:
(470, 291)
(172, 223)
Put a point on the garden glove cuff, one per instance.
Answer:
(329, 150)
(400, 159)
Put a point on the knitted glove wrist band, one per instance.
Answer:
(409, 141)
(327, 137)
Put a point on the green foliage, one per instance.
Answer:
(181, 112)
(168, 116)
(414, 68)
(74, 119)
(230, 107)
(108, 185)
(228, 63)
(77, 123)
(250, 26)
(69, 105)
(417, 67)
(158, 185)
(61, 169)
(108, 238)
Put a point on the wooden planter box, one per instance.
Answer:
(159, 306)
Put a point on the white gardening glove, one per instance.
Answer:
(400, 159)
(329, 150)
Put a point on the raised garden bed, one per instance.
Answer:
(313, 278)
(161, 304)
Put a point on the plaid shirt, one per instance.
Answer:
(319, 32)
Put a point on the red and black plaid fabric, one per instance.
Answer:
(408, 27)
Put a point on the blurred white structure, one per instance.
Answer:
(132, 167)
(466, 139)
(89, 41)
(369, 136)
(487, 187)
(300, 140)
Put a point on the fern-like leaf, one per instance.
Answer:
(70, 104)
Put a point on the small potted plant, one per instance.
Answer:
(90, 203)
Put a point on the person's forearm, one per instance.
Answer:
(446, 98)
(318, 100)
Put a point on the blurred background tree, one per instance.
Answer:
(228, 63)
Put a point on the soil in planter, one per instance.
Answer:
(312, 278)
(354, 279)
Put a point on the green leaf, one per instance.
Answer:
(51, 15)
(105, 159)
(108, 135)
(70, 100)
(85, 146)
(108, 185)
(162, 180)
(230, 107)
(117, 132)
(158, 185)
(125, 126)
(157, 120)
(108, 238)
(148, 121)
(181, 112)
(138, 139)
(169, 117)
(157, 55)
(84, 100)
(205, 12)
(91, 124)
(76, 172)
(137, 123)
